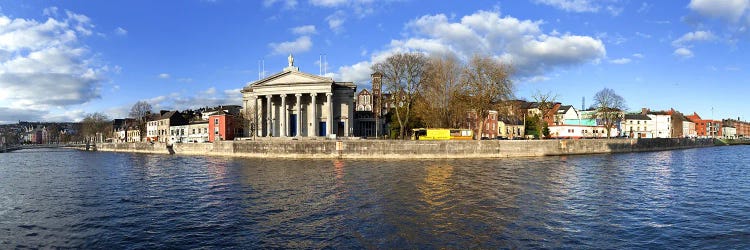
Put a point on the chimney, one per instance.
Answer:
(644, 111)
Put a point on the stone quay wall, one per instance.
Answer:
(395, 149)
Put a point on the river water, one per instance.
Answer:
(695, 198)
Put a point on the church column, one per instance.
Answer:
(284, 117)
(329, 125)
(257, 117)
(268, 116)
(299, 114)
(314, 106)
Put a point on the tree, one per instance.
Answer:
(545, 103)
(94, 124)
(485, 83)
(402, 76)
(140, 112)
(439, 100)
(608, 107)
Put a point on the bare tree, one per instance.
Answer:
(485, 83)
(402, 76)
(439, 103)
(608, 107)
(545, 103)
(96, 124)
(140, 112)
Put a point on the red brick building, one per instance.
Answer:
(706, 128)
(221, 127)
(490, 129)
(743, 128)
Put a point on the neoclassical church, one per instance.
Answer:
(297, 104)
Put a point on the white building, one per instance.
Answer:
(197, 132)
(178, 134)
(637, 126)
(152, 128)
(660, 125)
(567, 114)
(576, 131)
(729, 132)
(296, 104)
(688, 129)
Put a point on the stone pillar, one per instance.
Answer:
(283, 118)
(257, 116)
(268, 116)
(299, 114)
(350, 115)
(329, 125)
(314, 106)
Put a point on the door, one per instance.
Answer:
(322, 129)
(293, 125)
(341, 129)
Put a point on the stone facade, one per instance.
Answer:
(296, 104)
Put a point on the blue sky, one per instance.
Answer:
(62, 59)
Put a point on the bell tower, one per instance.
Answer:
(376, 88)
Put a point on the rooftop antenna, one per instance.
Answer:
(263, 72)
(259, 70)
(325, 65)
(320, 64)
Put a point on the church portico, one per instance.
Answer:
(297, 104)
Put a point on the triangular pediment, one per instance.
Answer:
(290, 77)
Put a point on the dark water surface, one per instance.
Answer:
(697, 198)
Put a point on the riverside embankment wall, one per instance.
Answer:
(394, 149)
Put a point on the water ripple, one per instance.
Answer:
(697, 198)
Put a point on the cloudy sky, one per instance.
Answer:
(62, 59)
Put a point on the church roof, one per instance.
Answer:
(292, 76)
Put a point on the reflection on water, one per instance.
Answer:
(672, 199)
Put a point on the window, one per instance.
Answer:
(193, 131)
(216, 131)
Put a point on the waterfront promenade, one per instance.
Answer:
(396, 149)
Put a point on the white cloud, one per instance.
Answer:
(571, 5)
(163, 76)
(336, 21)
(518, 42)
(50, 11)
(329, 3)
(620, 61)
(359, 72)
(44, 65)
(638, 56)
(643, 35)
(288, 4)
(120, 31)
(697, 36)
(729, 10)
(645, 7)
(207, 98)
(581, 6)
(358, 8)
(13, 115)
(304, 30)
(302, 44)
(683, 52)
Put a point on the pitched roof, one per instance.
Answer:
(637, 116)
(564, 109)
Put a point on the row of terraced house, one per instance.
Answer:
(565, 121)
(173, 126)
